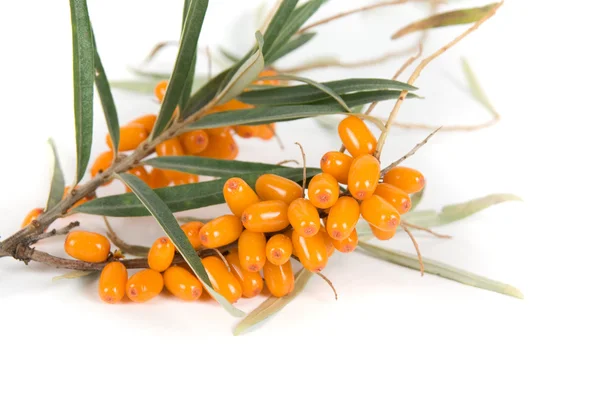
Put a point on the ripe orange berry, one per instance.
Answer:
(141, 173)
(194, 142)
(279, 249)
(337, 164)
(186, 178)
(312, 251)
(252, 250)
(266, 217)
(323, 191)
(147, 121)
(160, 89)
(32, 215)
(221, 145)
(246, 131)
(380, 213)
(407, 179)
(279, 278)
(113, 280)
(239, 195)
(161, 254)
(158, 179)
(363, 176)
(274, 187)
(348, 244)
(233, 104)
(267, 73)
(251, 282)
(343, 216)
(356, 136)
(266, 131)
(395, 196)
(192, 232)
(181, 283)
(221, 231)
(288, 233)
(382, 235)
(131, 135)
(304, 217)
(87, 246)
(144, 285)
(222, 280)
(328, 242)
(102, 162)
(170, 147)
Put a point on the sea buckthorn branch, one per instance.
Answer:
(54, 232)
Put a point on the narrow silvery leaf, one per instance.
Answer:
(278, 22)
(74, 274)
(57, 186)
(476, 89)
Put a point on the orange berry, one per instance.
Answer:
(239, 195)
(251, 282)
(113, 280)
(161, 254)
(192, 232)
(356, 136)
(382, 235)
(267, 73)
(380, 213)
(102, 162)
(252, 250)
(279, 278)
(274, 187)
(343, 216)
(407, 179)
(304, 217)
(141, 173)
(233, 104)
(328, 242)
(288, 233)
(183, 284)
(323, 191)
(363, 176)
(87, 246)
(147, 121)
(160, 90)
(170, 147)
(246, 131)
(131, 136)
(337, 164)
(266, 216)
(222, 280)
(395, 196)
(32, 215)
(266, 131)
(312, 251)
(221, 145)
(279, 249)
(348, 244)
(144, 285)
(186, 178)
(158, 179)
(194, 142)
(221, 231)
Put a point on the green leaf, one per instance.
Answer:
(301, 94)
(415, 199)
(187, 87)
(83, 83)
(322, 87)
(185, 57)
(476, 89)
(135, 86)
(181, 197)
(456, 17)
(169, 224)
(106, 98)
(57, 186)
(290, 46)
(205, 94)
(278, 22)
(441, 269)
(272, 304)
(74, 274)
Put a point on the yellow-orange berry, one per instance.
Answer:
(233, 104)
(170, 147)
(239, 195)
(183, 284)
(147, 121)
(363, 176)
(266, 131)
(266, 216)
(158, 179)
(87, 246)
(192, 232)
(141, 173)
(279, 249)
(131, 136)
(102, 162)
(194, 142)
(356, 136)
(113, 279)
(274, 187)
(144, 285)
(336, 164)
(246, 131)
(312, 251)
(222, 280)
(380, 213)
(323, 191)
(382, 235)
(32, 215)
(304, 217)
(407, 179)
(221, 145)
(279, 278)
(186, 178)
(252, 250)
(395, 196)
(348, 244)
(221, 231)
(161, 254)
(160, 90)
(267, 73)
(251, 282)
(342, 218)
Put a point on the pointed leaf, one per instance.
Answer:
(441, 269)
(290, 46)
(83, 83)
(322, 87)
(74, 274)
(169, 224)
(476, 89)
(57, 186)
(278, 22)
(187, 86)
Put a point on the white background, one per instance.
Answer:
(391, 334)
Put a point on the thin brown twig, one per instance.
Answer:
(416, 245)
(303, 166)
(287, 161)
(410, 153)
(328, 282)
(428, 230)
(448, 128)
(135, 250)
(54, 232)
